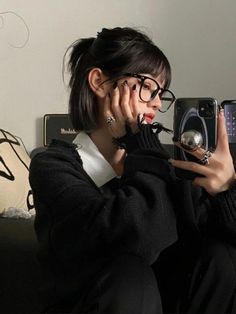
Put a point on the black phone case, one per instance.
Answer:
(187, 116)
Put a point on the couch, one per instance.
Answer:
(20, 273)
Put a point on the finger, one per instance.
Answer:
(222, 142)
(115, 104)
(191, 166)
(134, 102)
(125, 101)
(107, 106)
(198, 153)
(201, 153)
(200, 181)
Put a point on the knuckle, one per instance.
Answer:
(193, 166)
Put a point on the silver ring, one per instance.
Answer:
(205, 159)
(110, 120)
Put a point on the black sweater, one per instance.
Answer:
(80, 227)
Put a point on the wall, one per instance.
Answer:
(197, 36)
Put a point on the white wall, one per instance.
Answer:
(198, 36)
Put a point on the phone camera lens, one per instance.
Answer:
(206, 110)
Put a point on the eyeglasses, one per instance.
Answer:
(149, 88)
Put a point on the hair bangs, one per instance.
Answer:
(151, 61)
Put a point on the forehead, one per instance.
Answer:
(160, 78)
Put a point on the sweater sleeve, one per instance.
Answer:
(146, 143)
(78, 220)
(223, 214)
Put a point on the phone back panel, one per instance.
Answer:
(198, 114)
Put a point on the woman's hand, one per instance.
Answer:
(219, 173)
(121, 108)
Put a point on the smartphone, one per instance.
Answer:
(229, 107)
(199, 114)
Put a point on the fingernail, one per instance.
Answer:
(114, 85)
(222, 113)
(134, 87)
(141, 117)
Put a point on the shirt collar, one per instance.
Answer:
(96, 166)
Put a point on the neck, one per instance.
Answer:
(103, 140)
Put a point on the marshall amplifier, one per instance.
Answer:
(58, 126)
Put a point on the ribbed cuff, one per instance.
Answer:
(145, 138)
(149, 161)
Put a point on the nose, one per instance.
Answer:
(155, 103)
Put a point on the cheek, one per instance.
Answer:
(143, 108)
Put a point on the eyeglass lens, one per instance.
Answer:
(149, 90)
(166, 100)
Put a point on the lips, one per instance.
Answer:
(148, 117)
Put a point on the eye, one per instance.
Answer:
(146, 86)
(139, 82)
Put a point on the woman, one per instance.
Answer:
(106, 206)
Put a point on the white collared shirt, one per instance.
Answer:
(96, 166)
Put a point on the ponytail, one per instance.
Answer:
(80, 49)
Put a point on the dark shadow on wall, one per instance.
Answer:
(39, 132)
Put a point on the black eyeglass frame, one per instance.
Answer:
(155, 92)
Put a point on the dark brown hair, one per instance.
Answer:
(115, 51)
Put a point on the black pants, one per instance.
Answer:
(203, 284)
(198, 283)
(127, 286)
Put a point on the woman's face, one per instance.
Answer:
(128, 100)
(148, 90)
